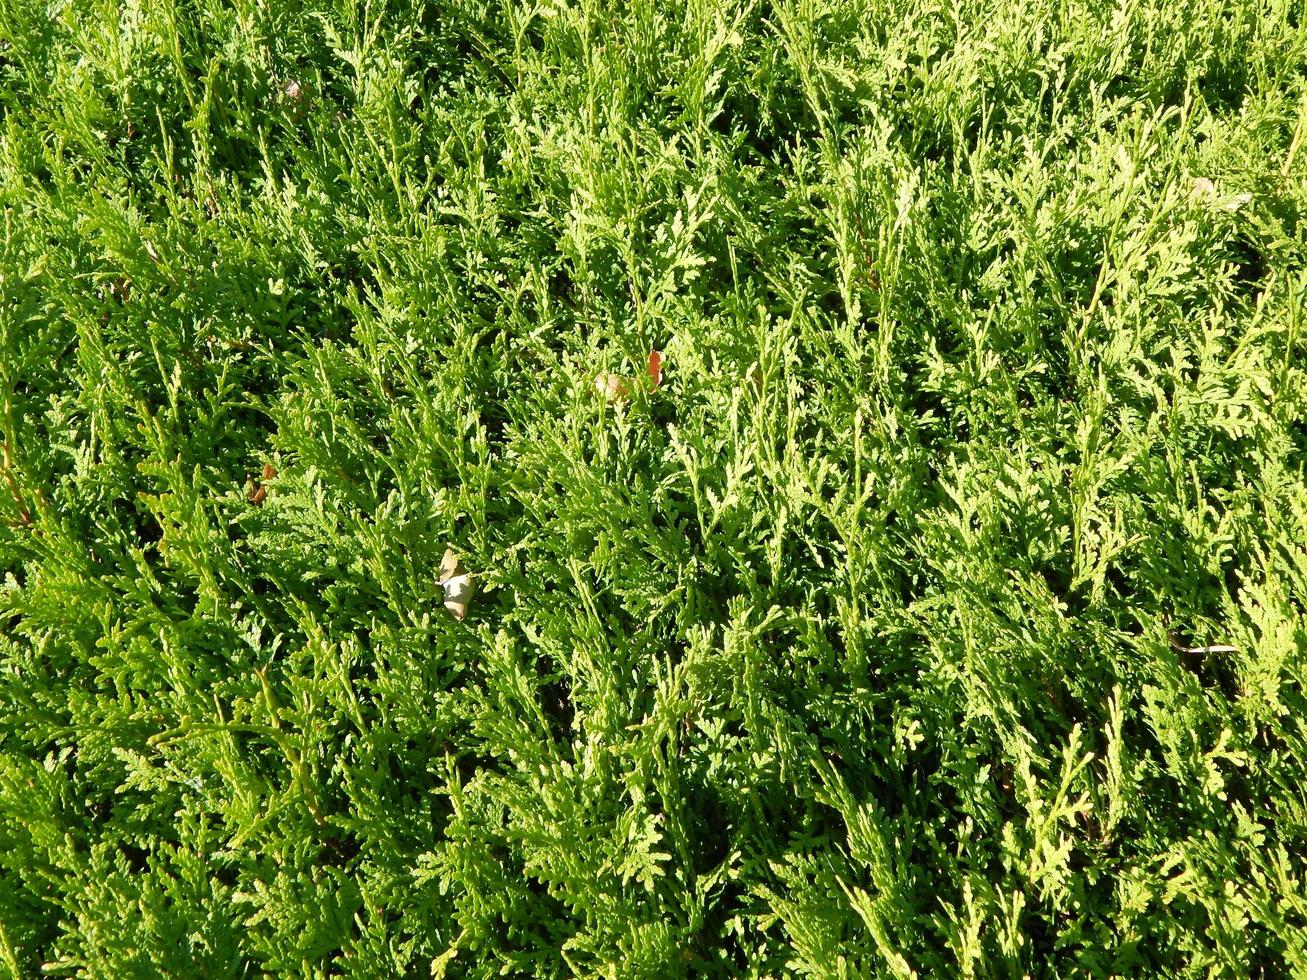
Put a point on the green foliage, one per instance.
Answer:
(941, 613)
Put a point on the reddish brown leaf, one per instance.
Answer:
(656, 367)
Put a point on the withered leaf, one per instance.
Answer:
(1205, 190)
(258, 492)
(458, 584)
(612, 387)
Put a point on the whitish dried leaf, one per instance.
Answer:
(1205, 190)
(458, 584)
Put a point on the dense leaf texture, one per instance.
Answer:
(853, 648)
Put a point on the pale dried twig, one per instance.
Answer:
(1215, 648)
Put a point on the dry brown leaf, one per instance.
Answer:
(119, 288)
(258, 492)
(295, 96)
(612, 387)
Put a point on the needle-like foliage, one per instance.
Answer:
(939, 612)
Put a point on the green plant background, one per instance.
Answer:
(853, 649)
